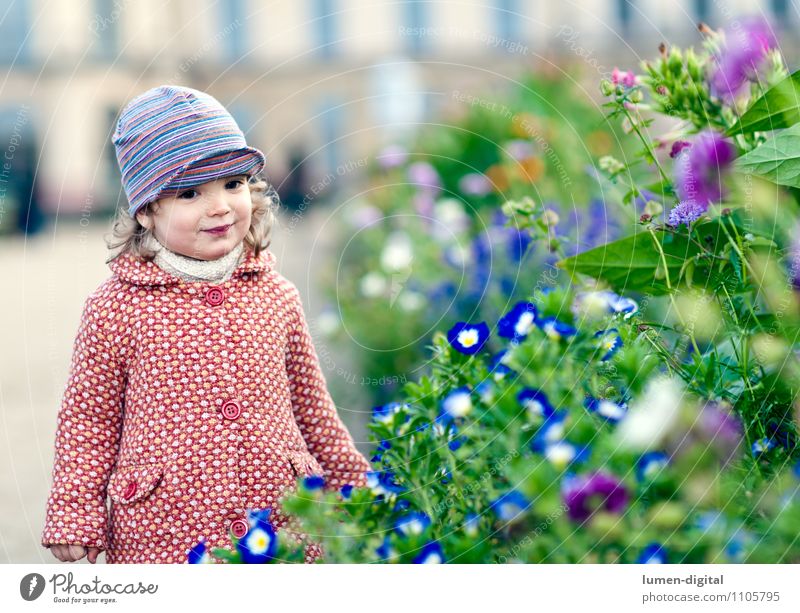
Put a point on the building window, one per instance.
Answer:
(325, 23)
(104, 29)
(231, 31)
(701, 10)
(14, 31)
(414, 18)
(507, 19)
(624, 16)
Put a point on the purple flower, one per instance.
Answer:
(474, 184)
(698, 176)
(424, 176)
(585, 494)
(740, 56)
(677, 147)
(519, 149)
(392, 156)
(722, 427)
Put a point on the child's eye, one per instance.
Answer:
(188, 194)
(234, 183)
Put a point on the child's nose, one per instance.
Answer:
(218, 204)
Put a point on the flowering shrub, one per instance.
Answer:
(564, 447)
(427, 242)
(644, 413)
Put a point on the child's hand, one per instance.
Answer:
(73, 553)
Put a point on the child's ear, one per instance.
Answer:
(143, 218)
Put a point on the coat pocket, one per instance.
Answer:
(129, 484)
(303, 463)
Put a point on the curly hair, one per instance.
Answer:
(130, 236)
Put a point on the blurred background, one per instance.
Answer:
(343, 96)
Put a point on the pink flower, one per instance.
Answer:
(626, 79)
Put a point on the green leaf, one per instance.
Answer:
(634, 263)
(778, 108)
(778, 159)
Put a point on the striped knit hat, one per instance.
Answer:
(171, 138)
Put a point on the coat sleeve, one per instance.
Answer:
(87, 435)
(325, 435)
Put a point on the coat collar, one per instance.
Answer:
(133, 269)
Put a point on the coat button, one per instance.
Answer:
(239, 528)
(215, 296)
(231, 410)
(130, 491)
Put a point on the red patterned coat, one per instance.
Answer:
(186, 405)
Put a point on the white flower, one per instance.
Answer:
(411, 301)
(327, 322)
(373, 284)
(651, 416)
(397, 254)
(451, 219)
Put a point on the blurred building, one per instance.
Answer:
(317, 84)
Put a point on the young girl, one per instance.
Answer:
(194, 392)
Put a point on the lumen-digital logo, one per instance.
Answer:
(31, 586)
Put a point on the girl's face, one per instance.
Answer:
(181, 220)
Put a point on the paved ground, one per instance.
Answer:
(45, 281)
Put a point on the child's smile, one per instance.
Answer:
(205, 222)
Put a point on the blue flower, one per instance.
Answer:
(457, 403)
(596, 304)
(199, 555)
(610, 343)
(385, 413)
(761, 446)
(445, 474)
(622, 305)
(346, 491)
(260, 543)
(468, 338)
(401, 505)
(555, 329)
(654, 553)
(650, 464)
(431, 553)
(518, 322)
(536, 402)
(471, 524)
(736, 547)
(796, 469)
(498, 367)
(455, 443)
(510, 505)
(385, 551)
(313, 482)
(551, 431)
(412, 524)
(608, 410)
(382, 483)
(563, 453)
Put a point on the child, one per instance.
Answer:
(194, 391)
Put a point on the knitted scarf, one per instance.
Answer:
(193, 270)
